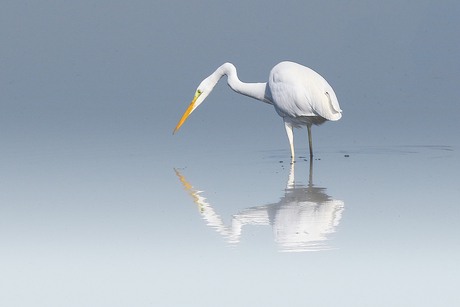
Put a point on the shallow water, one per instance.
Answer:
(109, 218)
(301, 219)
(100, 205)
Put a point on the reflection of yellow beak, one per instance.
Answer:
(187, 113)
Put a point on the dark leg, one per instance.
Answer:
(309, 140)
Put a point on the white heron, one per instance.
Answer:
(300, 96)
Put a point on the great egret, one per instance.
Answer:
(300, 96)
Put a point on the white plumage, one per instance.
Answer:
(300, 96)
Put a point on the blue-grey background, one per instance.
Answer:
(93, 213)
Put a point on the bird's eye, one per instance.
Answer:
(199, 92)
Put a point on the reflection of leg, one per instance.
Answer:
(290, 183)
(309, 140)
(290, 135)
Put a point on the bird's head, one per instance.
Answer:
(201, 93)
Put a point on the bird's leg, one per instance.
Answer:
(309, 140)
(290, 135)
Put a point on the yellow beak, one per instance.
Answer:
(187, 113)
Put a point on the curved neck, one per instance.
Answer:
(254, 90)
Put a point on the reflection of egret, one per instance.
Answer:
(300, 96)
(304, 216)
(301, 220)
(206, 210)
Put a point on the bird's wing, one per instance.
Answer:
(321, 97)
(299, 91)
(333, 99)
